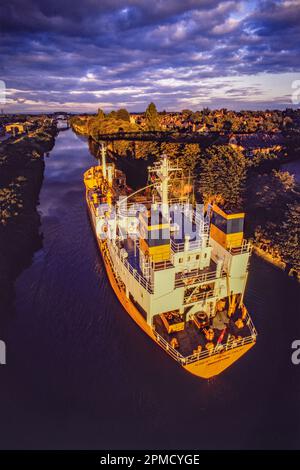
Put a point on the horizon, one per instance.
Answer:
(160, 111)
(79, 56)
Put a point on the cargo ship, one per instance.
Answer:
(179, 269)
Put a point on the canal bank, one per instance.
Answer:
(269, 253)
(21, 177)
(80, 374)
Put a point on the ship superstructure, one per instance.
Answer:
(179, 271)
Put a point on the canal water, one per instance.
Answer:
(81, 374)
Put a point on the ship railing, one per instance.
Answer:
(151, 265)
(143, 282)
(178, 200)
(148, 285)
(193, 277)
(191, 245)
(185, 360)
(246, 247)
(193, 298)
(131, 210)
(92, 204)
(201, 222)
(128, 205)
(160, 265)
(250, 324)
(167, 347)
(229, 345)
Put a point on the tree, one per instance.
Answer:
(170, 149)
(290, 237)
(227, 125)
(123, 114)
(122, 148)
(112, 115)
(189, 157)
(287, 122)
(222, 176)
(147, 150)
(152, 118)
(274, 215)
(285, 181)
(100, 114)
(187, 113)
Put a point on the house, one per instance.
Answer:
(15, 128)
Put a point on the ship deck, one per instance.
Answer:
(134, 259)
(133, 254)
(191, 337)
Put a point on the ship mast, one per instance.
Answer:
(162, 171)
(164, 176)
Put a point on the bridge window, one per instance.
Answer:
(235, 225)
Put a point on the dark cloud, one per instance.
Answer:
(128, 52)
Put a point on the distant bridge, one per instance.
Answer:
(205, 140)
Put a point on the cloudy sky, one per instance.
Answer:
(78, 55)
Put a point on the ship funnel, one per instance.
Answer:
(103, 153)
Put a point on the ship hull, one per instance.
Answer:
(204, 368)
(214, 365)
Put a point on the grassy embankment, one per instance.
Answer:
(21, 176)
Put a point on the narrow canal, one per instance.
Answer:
(81, 374)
